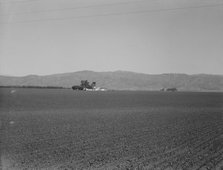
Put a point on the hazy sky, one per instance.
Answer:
(148, 36)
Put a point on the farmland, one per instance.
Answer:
(63, 129)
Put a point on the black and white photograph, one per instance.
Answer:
(111, 84)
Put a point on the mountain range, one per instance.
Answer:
(122, 80)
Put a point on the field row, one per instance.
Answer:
(149, 140)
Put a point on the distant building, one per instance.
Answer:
(169, 89)
(100, 89)
(85, 86)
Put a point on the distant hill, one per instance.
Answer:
(122, 80)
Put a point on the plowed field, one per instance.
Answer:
(64, 129)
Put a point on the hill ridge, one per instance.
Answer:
(121, 80)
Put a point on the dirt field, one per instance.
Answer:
(63, 129)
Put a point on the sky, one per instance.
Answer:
(147, 36)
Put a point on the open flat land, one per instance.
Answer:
(65, 129)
